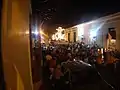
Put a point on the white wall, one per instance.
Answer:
(108, 22)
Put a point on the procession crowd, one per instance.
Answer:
(55, 55)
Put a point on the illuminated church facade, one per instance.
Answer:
(105, 31)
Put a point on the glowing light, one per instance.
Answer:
(33, 32)
(36, 32)
(113, 40)
(42, 37)
(27, 32)
(105, 49)
(73, 59)
(98, 50)
(102, 57)
(93, 34)
(93, 31)
(80, 30)
(102, 50)
(53, 37)
(41, 32)
(58, 35)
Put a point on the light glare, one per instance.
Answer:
(80, 30)
(93, 34)
(58, 35)
(36, 32)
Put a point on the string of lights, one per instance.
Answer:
(58, 35)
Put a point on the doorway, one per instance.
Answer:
(68, 37)
(74, 36)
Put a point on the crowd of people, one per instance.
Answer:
(55, 55)
(56, 77)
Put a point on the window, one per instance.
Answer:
(111, 29)
(112, 32)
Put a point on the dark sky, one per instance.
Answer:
(66, 13)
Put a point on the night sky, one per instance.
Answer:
(66, 13)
